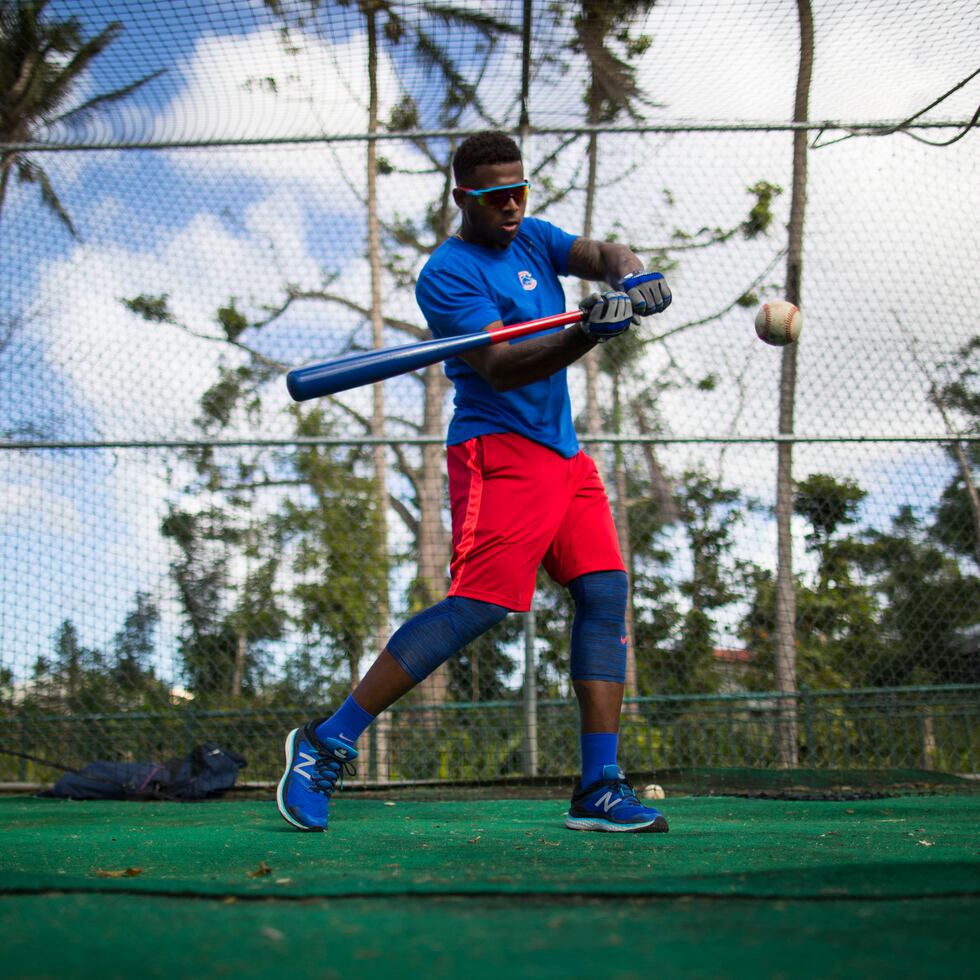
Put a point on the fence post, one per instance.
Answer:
(806, 695)
(530, 697)
(927, 754)
(22, 762)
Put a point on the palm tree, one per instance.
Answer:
(41, 62)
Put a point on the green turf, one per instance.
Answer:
(490, 889)
(903, 847)
(109, 936)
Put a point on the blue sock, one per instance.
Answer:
(346, 723)
(598, 750)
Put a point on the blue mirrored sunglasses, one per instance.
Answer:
(497, 197)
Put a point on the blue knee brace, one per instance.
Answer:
(599, 626)
(430, 638)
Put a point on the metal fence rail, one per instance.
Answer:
(926, 727)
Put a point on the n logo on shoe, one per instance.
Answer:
(607, 802)
(301, 767)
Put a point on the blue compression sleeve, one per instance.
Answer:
(430, 638)
(599, 626)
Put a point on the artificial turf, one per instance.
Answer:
(739, 887)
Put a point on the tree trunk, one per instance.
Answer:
(6, 163)
(785, 639)
(238, 670)
(378, 398)
(972, 494)
(593, 422)
(622, 519)
(433, 541)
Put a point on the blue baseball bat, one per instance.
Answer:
(355, 370)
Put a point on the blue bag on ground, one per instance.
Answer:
(207, 771)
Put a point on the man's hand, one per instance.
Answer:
(648, 292)
(606, 315)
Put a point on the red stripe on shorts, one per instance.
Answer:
(467, 536)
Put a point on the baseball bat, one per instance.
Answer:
(354, 370)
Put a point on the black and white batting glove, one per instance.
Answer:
(648, 292)
(606, 315)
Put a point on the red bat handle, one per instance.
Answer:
(499, 334)
(344, 373)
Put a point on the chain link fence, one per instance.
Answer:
(187, 555)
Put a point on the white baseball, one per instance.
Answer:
(778, 323)
(654, 792)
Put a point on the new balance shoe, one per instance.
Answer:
(610, 804)
(314, 769)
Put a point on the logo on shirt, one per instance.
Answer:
(527, 280)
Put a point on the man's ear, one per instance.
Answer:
(459, 197)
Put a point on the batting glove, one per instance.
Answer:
(648, 292)
(606, 315)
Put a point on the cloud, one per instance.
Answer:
(252, 88)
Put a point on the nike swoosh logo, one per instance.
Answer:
(623, 639)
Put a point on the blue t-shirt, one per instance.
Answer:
(462, 289)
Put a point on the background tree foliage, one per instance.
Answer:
(42, 62)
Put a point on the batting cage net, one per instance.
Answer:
(198, 197)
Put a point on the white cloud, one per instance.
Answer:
(34, 508)
(320, 89)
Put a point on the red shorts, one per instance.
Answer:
(516, 505)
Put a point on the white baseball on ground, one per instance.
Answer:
(778, 323)
(654, 792)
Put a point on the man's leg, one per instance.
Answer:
(599, 706)
(418, 648)
(599, 665)
(603, 800)
(317, 753)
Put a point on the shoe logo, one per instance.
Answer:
(301, 767)
(623, 639)
(607, 802)
(527, 280)
(346, 738)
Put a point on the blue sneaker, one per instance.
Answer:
(610, 804)
(313, 769)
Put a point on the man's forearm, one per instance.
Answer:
(509, 366)
(602, 261)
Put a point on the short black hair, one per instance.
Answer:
(489, 146)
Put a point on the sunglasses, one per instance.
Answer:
(497, 197)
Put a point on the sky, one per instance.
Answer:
(889, 283)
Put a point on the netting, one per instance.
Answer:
(187, 554)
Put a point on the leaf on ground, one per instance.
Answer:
(122, 873)
(473, 840)
(927, 843)
(261, 871)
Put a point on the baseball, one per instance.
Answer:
(654, 792)
(778, 323)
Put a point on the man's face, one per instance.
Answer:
(483, 223)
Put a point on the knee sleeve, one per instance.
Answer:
(599, 626)
(429, 639)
